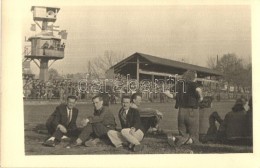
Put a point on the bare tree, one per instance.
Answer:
(53, 74)
(235, 72)
(98, 66)
(212, 62)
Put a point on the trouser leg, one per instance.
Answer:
(86, 132)
(99, 129)
(181, 122)
(217, 117)
(49, 126)
(146, 123)
(116, 138)
(58, 134)
(133, 137)
(74, 132)
(193, 124)
(212, 124)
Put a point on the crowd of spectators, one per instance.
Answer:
(54, 89)
(60, 88)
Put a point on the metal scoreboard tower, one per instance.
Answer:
(45, 46)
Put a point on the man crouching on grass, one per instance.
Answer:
(62, 122)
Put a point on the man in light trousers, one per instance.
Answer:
(132, 131)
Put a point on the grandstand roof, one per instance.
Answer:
(163, 65)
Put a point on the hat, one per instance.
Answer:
(239, 101)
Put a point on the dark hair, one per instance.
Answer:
(106, 99)
(250, 103)
(72, 97)
(189, 75)
(125, 97)
(238, 107)
(98, 96)
(134, 96)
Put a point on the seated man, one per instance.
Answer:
(132, 130)
(62, 122)
(249, 116)
(97, 125)
(232, 129)
(150, 118)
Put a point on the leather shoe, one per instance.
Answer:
(138, 148)
(171, 139)
(92, 142)
(181, 141)
(50, 143)
(73, 144)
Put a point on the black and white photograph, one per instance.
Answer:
(141, 80)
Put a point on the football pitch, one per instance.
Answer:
(36, 114)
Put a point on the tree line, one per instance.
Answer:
(236, 72)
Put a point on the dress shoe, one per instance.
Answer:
(92, 142)
(51, 143)
(171, 139)
(73, 144)
(181, 141)
(138, 148)
(125, 144)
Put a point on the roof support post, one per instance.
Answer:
(137, 69)
(152, 90)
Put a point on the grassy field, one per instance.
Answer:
(35, 116)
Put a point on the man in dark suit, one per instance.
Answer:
(132, 130)
(62, 122)
(97, 125)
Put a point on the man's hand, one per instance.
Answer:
(132, 130)
(168, 94)
(199, 91)
(159, 114)
(84, 122)
(62, 128)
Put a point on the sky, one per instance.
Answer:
(179, 32)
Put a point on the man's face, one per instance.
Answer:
(246, 106)
(71, 103)
(126, 103)
(97, 103)
(137, 101)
